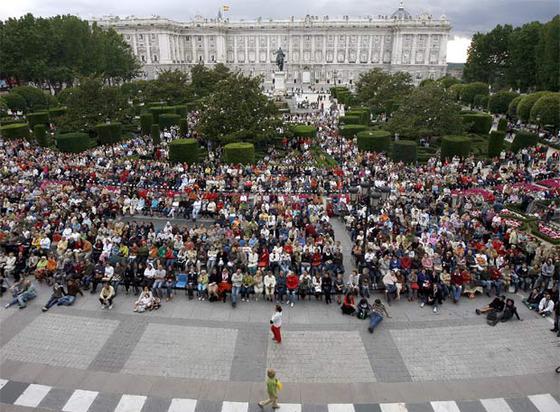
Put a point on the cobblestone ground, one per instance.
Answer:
(211, 353)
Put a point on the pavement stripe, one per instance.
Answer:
(80, 401)
(393, 407)
(289, 407)
(3, 382)
(341, 407)
(11, 391)
(33, 395)
(496, 405)
(130, 403)
(445, 406)
(545, 403)
(235, 407)
(182, 405)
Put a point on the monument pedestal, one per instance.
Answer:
(279, 83)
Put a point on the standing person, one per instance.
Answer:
(376, 316)
(236, 282)
(326, 283)
(276, 324)
(272, 387)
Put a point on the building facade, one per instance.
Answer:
(320, 52)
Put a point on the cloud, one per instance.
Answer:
(457, 49)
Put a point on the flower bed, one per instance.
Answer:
(550, 183)
(546, 232)
(486, 194)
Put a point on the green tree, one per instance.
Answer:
(470, 90)
(238, 111)
(93, 102)
(204, 81)
(427, 110)
(548, 56)
(169, 87)
(521, 73)
(381, 91)
(448, 81)
(498, 103)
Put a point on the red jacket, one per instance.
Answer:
(292, 281)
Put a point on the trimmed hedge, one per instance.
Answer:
(146, 121)
(155, 134)
(404, 151)
(15, 131)
(546, 111)
(496, 143)
(479, 123)
(502, 124)
(523, 139)
(455, 146)
(156, 111)
(362, 112)
(183, 127)
(243, 153)
(302, 130)
(351, 130)
(374, 141)
(108, 133)
(526, 104)
(512, 108)
(4, 121)
(73, 142)
(180, 109)
(40, 134)
(499, 102)
(57, 112)
(167, 120)
(37, 118)
(350, 119)
(183, 151)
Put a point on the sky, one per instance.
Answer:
(466, 16)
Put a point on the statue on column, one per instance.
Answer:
(280, 59)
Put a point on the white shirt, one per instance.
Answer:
(277, 319)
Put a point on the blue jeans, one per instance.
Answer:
(374, 319)
(67, 300)
(234, 294)
(292, 295)
(158, 284)
(456, 290)
(52, 301)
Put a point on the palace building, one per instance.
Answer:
(320, 51)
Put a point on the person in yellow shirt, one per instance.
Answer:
(272, 387)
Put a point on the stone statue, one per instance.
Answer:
(280, 59)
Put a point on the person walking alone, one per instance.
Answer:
(273, 385)
(276, 324)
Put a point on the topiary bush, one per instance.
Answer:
(183, 151)
(15, 102)
(523, 139)
(362, 112)
(155, 133)
(37, 118)
(9, 120)
(146, 121)
(512, 108)
(351, 130)
(35, 99)
(167, 120)
(243, 153)
(502, 124)
(546, 111)
(455, 146)
(498, 103)
(183, 127)
(496, 143)
(470, 90)
(156, 111)
(526, 104)
(41, 136)
(15, 131)
(56, 113)
(479, 123)
(108, 133)
(350, 119)
(73, 142)
(302, 130)
(181, 110)
(374, 141)
(404, 151)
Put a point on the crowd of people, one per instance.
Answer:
(429, 233)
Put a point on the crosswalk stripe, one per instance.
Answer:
(182, 405)
(3, 382)
(32, 395)
(341, 407)
(235, 407)
(289, 407)
(496, 405)
(445, 406)
(393, 407)
(545, 403)
(80, 401)
(130, 403)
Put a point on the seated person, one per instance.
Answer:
(58, 293)
(363, 308)
(22, 292)
(73, 288)
(106, 296)
(497, 305)
(348, 305)
(546, 306)
(509, 311)
(533, 300)
(145, 301)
